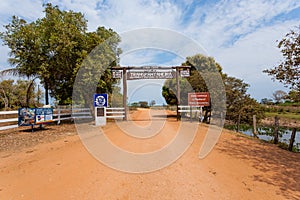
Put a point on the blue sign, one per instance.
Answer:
(34, 116)
(100, 100)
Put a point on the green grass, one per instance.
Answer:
(283, 115)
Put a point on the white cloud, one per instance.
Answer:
(240, 34)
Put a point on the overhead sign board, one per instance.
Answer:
(150, 75)
(199, 99)
(100, 100)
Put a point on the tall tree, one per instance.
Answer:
(288, 71)
(240, 106)
(53, 48)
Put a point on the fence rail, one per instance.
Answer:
(115, 113)
(60, 114)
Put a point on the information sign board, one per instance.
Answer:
(199, 99)
(34, 116)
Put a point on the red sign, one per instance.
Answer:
(198, 99)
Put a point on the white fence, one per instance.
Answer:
(59, 115)
(8, 120)
(115, 113)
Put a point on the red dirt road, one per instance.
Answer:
(237, 168)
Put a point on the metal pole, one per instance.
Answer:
(125, 93)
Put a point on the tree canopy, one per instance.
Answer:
(240, 107)
(288, 71)
(53, 48)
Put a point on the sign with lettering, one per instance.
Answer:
(185, 73)
(150, 75)
(199, 99)
(34, 116)
(117, 73)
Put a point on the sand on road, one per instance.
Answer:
(237, 168)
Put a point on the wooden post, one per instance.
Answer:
(191, 113)
(254, 127)
(178, 92)
(58, 115)
(125, 93)
(292, 140)
(276, 137)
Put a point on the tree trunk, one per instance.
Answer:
(292, 140)
(276, 137)
(46, 94)
(254, 127)
(5, 100)
(28, 93)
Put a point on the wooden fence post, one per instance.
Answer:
(292, 140)
(58, 115)
(254, 126)
(276, 137)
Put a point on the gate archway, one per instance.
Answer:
(150, 72)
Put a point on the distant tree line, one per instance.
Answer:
(20, 93)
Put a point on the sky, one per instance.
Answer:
(241, 35)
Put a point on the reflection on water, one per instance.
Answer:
(266, 134)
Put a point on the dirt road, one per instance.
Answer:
(237, 168)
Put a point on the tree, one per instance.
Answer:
(169, 95)
(21, 93)
(152, 103)
(266, 101)
(169, 91)
(288, 71)
(53, 49)
(240, 106)
(294, 96)
(143, 104)
(279, 96)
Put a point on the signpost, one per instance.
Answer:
(100, 104)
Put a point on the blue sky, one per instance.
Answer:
(240, 34)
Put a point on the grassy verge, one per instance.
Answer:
(294, 116)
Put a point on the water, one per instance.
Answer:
(286, 135)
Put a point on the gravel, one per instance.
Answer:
(22, 137)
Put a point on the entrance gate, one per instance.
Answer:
(150, 72)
